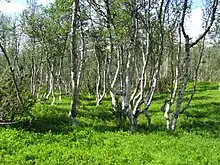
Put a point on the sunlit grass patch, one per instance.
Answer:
(51, 139)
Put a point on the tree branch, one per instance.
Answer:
(183, 19)
(214, 8)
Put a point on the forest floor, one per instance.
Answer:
(51, 139)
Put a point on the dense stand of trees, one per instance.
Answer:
(128, 49)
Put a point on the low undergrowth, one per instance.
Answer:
(51, 139)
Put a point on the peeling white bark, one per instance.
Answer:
(77, 62)
(60, 79)
(188, 46)
(41, 80)
(170, 102)
(113, 95)
(51, 89)
(127, 107)
(33, 73)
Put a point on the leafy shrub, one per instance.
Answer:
(10, 105)
(164, 85)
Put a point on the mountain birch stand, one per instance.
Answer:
(188, 46)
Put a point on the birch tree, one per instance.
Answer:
(211, 17)
(77, 57)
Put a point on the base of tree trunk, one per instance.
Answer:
(73, 121)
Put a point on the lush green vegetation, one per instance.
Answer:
(71, 73)
(51, 139)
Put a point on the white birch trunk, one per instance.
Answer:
(100, 96)
(51, 89)
(126, 106)
(60, 78)
(113, 95)
(50, 84)
(46, 84)
(98, 78)
(188, 46)
(76, 62)
(182, 90)
(167, 106)
(40, 80)
(33, 76)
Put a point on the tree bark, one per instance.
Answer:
(74, 63)
(188, 46)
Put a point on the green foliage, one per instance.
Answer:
(51, 139)
(10, 106)
(164, 85)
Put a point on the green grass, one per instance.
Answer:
(97, 140)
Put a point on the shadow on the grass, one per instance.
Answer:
(198, 126)
(160, 97)
(62, 125)
(209, 110)
(102, 120)
(199, 98)
(103, 115)
(57, 125)
(203, 118)
(208, 86)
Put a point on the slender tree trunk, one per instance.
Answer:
(33, 73)
(126, 106)
(157, 66)
(40, 79)
(46, 83)
(100, 96)
(74, 63)
(60, 77)
(167, 105)
(60, 71)
(182, 90)
(51, 89)
(113, 94)
(188, 46)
